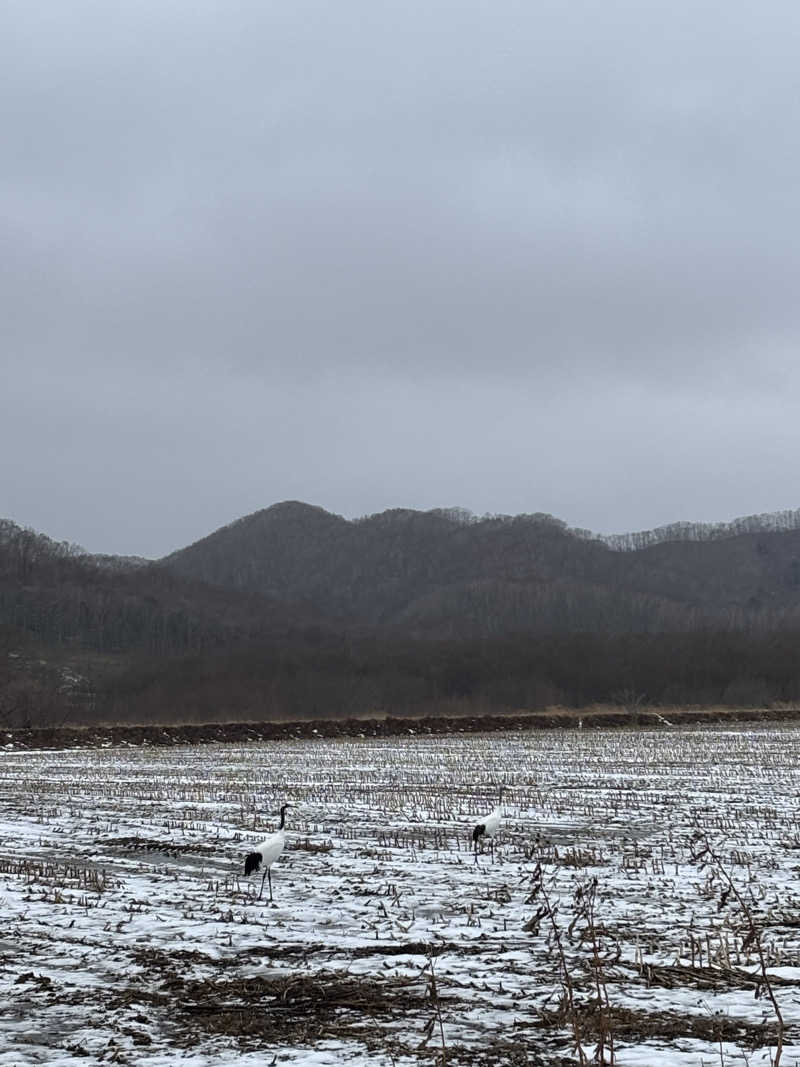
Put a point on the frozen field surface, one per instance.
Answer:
(642, 887)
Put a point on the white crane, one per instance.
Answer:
(267, 852)
(489, 826)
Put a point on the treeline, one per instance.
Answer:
(768, 522)
(371, 678)
(327, 677)
(59, 597)
(294, 613)
(398, 575)
(436, 575)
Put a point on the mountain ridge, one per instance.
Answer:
(444, 573)
(683, 530)
(439, 571)
(295, 612)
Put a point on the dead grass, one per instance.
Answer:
(711, 979)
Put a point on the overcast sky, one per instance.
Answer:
(516, 257)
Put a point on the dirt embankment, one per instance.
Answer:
(238, 733)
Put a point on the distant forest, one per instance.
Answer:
(295, 613)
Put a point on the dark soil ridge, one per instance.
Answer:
(61, 737)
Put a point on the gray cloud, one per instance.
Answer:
(514, 256)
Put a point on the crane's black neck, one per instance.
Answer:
(283, 816)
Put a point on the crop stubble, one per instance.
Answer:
(132, 935)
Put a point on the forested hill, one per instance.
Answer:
(55, 593)
(446, 574)
(296, 613)
(425, 575)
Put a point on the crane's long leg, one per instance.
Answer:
(269, 875)
(266, 872)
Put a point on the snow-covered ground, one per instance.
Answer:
(129, 934)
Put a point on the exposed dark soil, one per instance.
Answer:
(380, 1013)
(146, 844)
(262, 1012)
(398, 1016)
(239, 733)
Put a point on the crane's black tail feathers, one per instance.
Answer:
(252, 862)
(478, 832)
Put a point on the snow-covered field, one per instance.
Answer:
(130, 936)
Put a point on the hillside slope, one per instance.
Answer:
(53, 593)
(434, 574)
(294, 613)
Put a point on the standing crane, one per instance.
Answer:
(489, 826)
(266, 853)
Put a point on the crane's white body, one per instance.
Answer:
(265, 854)
(488, 827)
(491, 824)
(270, 848)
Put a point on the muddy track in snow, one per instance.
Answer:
(317, 729)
